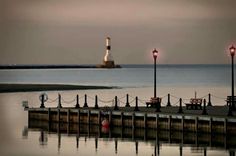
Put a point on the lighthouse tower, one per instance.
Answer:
(108, 61)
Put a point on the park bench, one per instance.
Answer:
(195, 103)
(229, 99)
(153, 102)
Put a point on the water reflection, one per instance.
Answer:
(43, 139)
(198, 143)
(25, 132)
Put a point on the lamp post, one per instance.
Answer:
(156, 101)
(155, 52)
(232, 53)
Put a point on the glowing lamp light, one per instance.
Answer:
(155, 52)
(232, 50)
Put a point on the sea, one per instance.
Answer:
(180, 81)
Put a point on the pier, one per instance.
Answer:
(210, 119)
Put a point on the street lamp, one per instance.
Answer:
(232, 53)
(155, 52)
(156, 101)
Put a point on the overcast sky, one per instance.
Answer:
(74, 31)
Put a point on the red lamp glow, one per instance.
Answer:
(232, 50)
(154, 52)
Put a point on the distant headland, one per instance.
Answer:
(45, 66)
(53, 66)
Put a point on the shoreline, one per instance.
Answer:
(6, 88)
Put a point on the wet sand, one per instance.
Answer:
(4, 88)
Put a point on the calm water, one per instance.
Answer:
(131, 76)
(180, 81)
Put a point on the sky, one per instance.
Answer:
(74, 31)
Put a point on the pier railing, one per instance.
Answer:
(125, 101)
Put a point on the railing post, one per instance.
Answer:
(180, 106)
(59, 101)
(42, 101)
(209, 100)
(136, 104)
(77, 101)
(85, 101)
(127, 101)
(116, 104)
(168, 101)
(204, 112)
(96, 102)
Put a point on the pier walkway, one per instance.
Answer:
(209, 119)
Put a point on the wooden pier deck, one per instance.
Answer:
(215, 121)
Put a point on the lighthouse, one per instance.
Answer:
(108, 61)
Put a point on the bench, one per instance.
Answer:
(229, 99)
(153, 102)
(195, 103)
